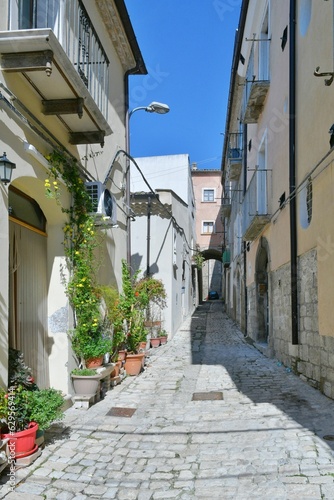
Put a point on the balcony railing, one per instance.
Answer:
(256, 88)
(226, 207)
(73, 28)
(255, 209)
(234, 156)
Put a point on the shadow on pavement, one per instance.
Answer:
(216, 340)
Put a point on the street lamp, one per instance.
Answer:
(6, 169)
(154, 107)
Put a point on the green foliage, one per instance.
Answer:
(150, 290)
(18, 372)
(90, 346)
(19, 407)
(80, 241)
(114, 316)
(85, 372)
(131, 313)
(198, 258)
(134, 302)
(45, 407)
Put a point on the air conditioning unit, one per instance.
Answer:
(103, 203)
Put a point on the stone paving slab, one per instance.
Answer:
(263, 440)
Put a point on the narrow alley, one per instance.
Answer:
(213, 418)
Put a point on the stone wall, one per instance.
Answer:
(280, 307)
(313, 358)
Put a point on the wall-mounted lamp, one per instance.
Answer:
(6, 169)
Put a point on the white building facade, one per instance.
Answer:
(164, 247)
(63, 83)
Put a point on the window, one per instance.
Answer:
(208, 195)
(208, 227)
(25, 209)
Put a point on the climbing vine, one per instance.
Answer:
(80, 240)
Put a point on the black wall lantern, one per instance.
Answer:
(6, 168)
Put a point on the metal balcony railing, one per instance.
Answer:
(256, 87)
(255, 207)
(234, 146)
(73, 28)
(234, 156)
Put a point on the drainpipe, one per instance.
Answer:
(244, 145)
(292, 173)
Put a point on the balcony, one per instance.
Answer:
(226, 207)
(56, 49)
(257, 83)
(256, 93)
(255, 210)
(234, 156)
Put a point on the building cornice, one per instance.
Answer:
(119, 27)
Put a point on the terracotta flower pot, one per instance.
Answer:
(22, 442)
(155, 342)
(116, 369)
(163, 339)
(133, 363)
(121, 355)
(94, 362)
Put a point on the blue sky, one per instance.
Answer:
(187, 47)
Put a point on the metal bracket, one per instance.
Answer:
(328, 81)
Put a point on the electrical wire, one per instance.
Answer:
(177, 225)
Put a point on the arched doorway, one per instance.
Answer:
(28, 283)
(262, 291)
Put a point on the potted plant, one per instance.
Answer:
(24, 412)
(86, 381)
(113, 314)
(163, 337)
(90, 346)
(46, 407)
(24, 408)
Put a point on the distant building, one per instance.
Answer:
(163, 232)
(209, 227)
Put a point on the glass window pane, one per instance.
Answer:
(208, 195)
(25, 209)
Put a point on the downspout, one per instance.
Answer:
(292, 174)
(244, 139)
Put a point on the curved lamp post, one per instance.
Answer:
(154, 107)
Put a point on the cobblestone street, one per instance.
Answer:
(213, 418)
